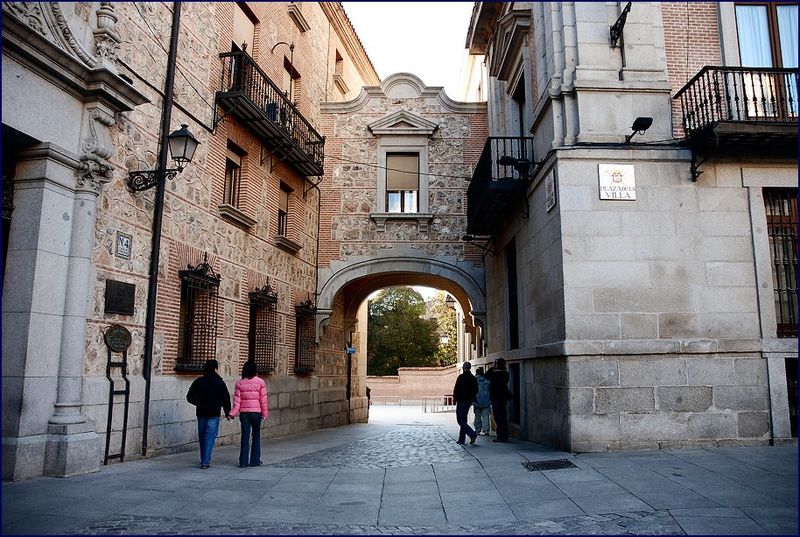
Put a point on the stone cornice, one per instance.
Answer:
(395, 81)
(66, 71)
(355, 49)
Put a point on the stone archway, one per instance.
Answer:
(353, 280)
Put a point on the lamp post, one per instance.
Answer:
(182, 145)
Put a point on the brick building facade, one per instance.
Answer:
(240, 225)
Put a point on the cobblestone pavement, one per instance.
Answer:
(659, 523)
(407, 446)
(405, 475)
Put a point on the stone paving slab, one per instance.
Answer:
(407, 476)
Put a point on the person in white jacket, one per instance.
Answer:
(250, 402)
(482, 403)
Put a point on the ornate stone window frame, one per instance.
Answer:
(402, 132)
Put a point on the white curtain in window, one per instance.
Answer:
(753, 29)
(787, 27)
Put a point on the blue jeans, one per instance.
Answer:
(250, 420)
(462, 410)
(207, 429)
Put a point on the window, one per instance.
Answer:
(767, 35)
(519, 104)
(305, 341)
(263, 334)
(781, 210)
(338, 75)
(513, 307)
(197, 319)
(339, 67)
(291, 81)
(402, 182)
(283, 210)
(233, 176)
(244, 28)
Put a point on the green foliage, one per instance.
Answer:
(446, 319)
(398, 336)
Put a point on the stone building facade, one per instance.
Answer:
(368, 239)
(83, 101)
(641, 288)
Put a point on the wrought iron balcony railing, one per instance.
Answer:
(740, 105)
(247, 93)
(499, 183)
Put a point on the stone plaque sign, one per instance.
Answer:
(118, 338)
(120, 297)
(617, 182)
(550, 190)
(124, 245)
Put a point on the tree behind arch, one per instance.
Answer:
(398, 336)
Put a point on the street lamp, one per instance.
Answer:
(182, 145)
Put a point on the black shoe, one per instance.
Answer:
(472, 440)
(459, 442)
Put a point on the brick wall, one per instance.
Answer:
(692, 41)
(414, 383)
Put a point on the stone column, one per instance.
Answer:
(33, 302)
(73, 447)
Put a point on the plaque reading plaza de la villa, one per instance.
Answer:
(617, 182)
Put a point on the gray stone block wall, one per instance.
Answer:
(629, 402)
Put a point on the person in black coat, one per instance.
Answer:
(499, 395)
(464, 393)
(210, 395)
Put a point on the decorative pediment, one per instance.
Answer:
(402, 123)
(512, 29)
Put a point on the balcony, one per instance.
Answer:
(741, 109)
(248, 94)
(499, 184)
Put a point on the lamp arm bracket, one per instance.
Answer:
(144, 180)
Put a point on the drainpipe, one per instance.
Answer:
(155, 252)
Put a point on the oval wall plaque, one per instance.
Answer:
(118, 338)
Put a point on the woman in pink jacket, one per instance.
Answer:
(250, 402)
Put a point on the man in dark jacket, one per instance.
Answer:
(464, 393)
(499, 396)
(209, 394)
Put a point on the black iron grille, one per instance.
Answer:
(199, 311)
(305, 343)
(556, 464)
(781, 209)
(263, 329)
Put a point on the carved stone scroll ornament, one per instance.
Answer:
(97, 147)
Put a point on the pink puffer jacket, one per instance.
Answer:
(250, 396)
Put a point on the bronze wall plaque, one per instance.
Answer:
(118, 338)
(120, 297)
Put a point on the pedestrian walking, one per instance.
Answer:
(464, 392)
(499, 395)
(250, 403)
(482, 403)
(210, 395)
